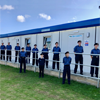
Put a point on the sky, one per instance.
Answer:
(19, 15)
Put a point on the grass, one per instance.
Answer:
(28, 86)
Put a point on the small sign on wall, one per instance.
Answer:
(86, 43)
(73, 36)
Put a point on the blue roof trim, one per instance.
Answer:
(80, 24)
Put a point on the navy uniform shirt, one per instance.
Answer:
(17, 47)
(46, 51)
(56, 49)
(2, 47)
(95, 51)
(8, 47)
(41, 61)
(67, 60)
(34, 50)
(78, 49)
(22, 54)
(28, 49)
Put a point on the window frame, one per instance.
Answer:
(44, 41)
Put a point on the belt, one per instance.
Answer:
(22, 57)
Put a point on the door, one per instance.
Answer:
(72, 40)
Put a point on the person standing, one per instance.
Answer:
(45, 53)
(35, 55)
(95, 60)
(2, 51)
(78, 57)
(66, 70)
(17, 50)
(22, 56)
(41, 65)
(9, 48)
(56, 51)
(28, 51)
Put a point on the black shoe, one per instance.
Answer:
(74, 72)
(96, 76)
(81, 73)
(91, 75)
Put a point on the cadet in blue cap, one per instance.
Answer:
(9, 48)
(35, 53)
(2, 51)
(56, 51)
(17, 50)
(95, 60)
(22, 56)
(45, 53)
(67, 62)
(28, 51)
(78, 57)
(41, 65)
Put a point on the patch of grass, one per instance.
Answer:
(28, 86)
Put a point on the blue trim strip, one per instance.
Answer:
(80, 24)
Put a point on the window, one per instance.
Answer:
(17, 40)
(47, 41)
(27, 40)
(1, 41)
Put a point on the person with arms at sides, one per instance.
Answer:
(95, 60)
(56, 51)
(45, 53)
(2, 51)
(9, 48)
(78, 57)
(22, 56)
(17, 50)
(41, 65)
(28, 51)
(35, 53)
(66, 70)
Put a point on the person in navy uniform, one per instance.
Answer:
(78, 57)
(56, 51)
(66, 70)
(28, 51)
(17, 50)
(35, 53)
(41, 65)
(22, 56)
(95, 60)
(9, 48)
(2, 51)
(45, 53)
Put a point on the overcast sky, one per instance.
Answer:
(19, 15)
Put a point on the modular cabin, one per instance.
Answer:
(67, 35)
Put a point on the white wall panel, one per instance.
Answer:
(67, 45)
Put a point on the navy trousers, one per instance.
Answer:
(55, 57)
(78, 59)
(46, 57)
(35, 59)
(2, 54)
(22, 61)
(8, 55)
(41, 71)
(66, 71)
(16, 54)
(95, 62)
